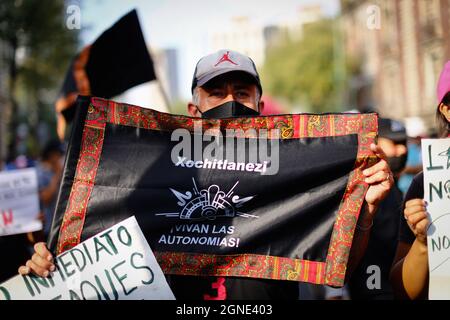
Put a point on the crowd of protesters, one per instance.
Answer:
(397, 248)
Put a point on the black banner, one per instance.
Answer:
(273, 197)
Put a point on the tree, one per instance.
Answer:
(309, 71)
(40, 48)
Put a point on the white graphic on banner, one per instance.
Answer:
(208, 204)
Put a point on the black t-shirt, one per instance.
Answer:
(231, 288)
(380, 251)
(15, 253)
(415, 191)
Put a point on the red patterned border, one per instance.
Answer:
(350, 207)
(84, 179)
(291, 126)
(242, 265)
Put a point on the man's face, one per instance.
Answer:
(391, 149)
(232, 86)
(395, 154)
(55, 158)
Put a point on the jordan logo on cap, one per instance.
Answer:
(224, 58)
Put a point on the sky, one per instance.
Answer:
(186, 25)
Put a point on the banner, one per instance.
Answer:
(436, 175)
(274, 197)
(19, 202)
(116, 264)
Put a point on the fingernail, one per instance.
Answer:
(52, 268)
(46, 274)
(49, 258)
(27, 270)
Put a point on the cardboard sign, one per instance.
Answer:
(115, 264)
(436, 169)
(19, 202)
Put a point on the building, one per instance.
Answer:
(243, 36)
(307, 14)
(253, 40)
(402, 46)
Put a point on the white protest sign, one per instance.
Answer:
(19, 202)
(115, 264)
(436, 172)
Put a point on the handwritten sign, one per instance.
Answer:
(19, 202)
(436, 169)
(115, 264)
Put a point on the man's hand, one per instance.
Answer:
(417, 218)
(41, 263)
(380, 180)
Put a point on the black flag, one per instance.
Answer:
(117, 61)
(224, 213)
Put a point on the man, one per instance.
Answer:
(224, 88)
(226, 84)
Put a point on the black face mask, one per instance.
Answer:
(229, 109)
(397, 164)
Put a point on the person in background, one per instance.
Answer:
(413, 164)
(370, 281)
(49, 171)
(410, 273)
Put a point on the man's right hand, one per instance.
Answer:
(41, 263)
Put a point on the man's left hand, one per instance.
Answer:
(380, 179)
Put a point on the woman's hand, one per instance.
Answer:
(417, 218)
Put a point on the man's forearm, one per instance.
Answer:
(360, 238)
